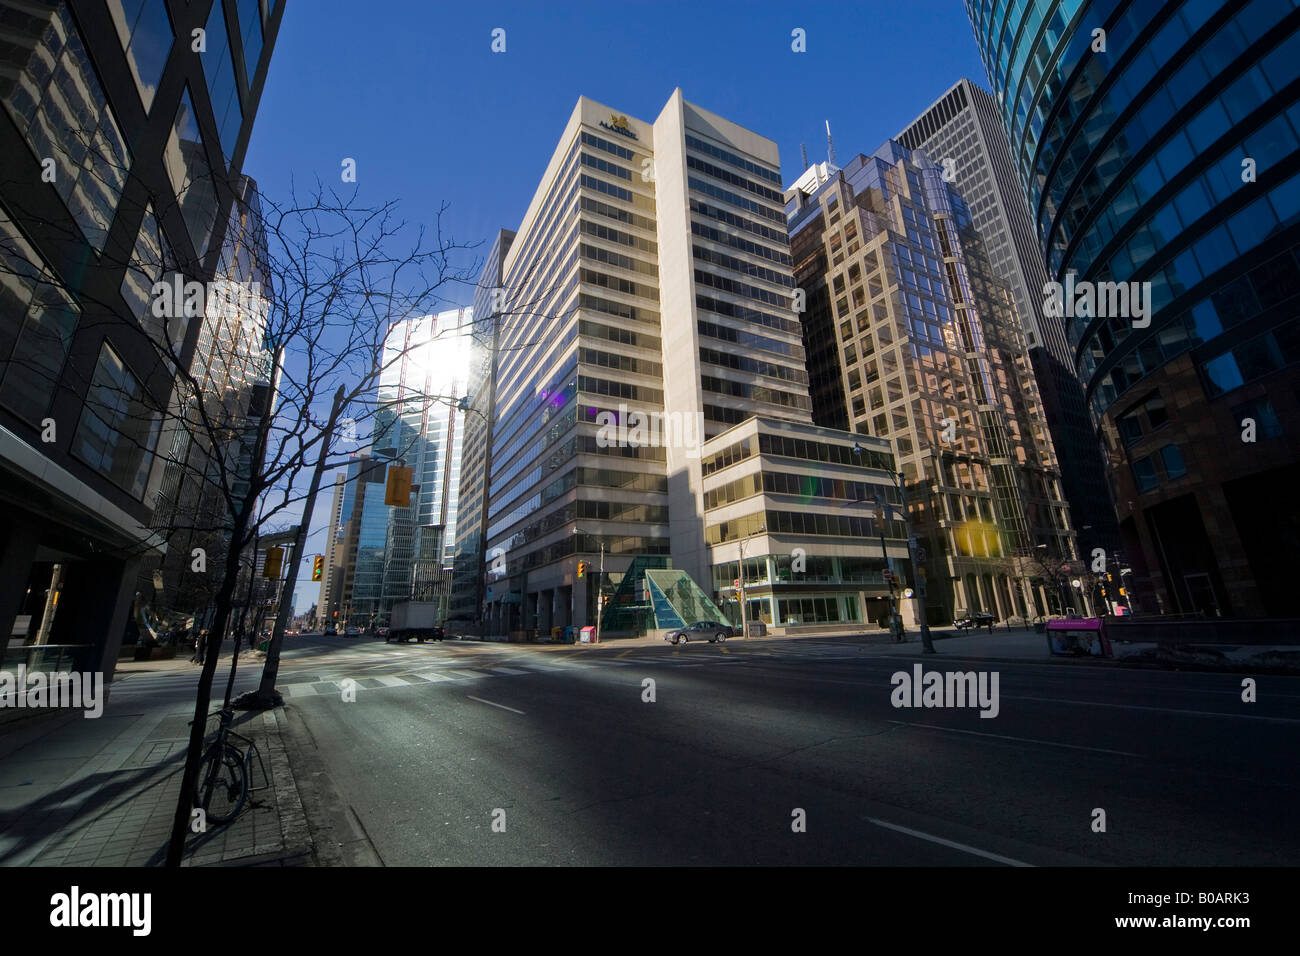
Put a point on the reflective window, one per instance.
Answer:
(146, 34)
(1144, 474)
(250, 31)
(187, 164)
(1222, 374)
(37, 320)
(219, 71)
(54, 96)
(118, 428)
(1175, 466)
(1262, 414)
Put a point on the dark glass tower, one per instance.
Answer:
(1159, 143)
(120, 151)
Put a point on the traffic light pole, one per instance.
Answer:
(927, 644)
(600, 589)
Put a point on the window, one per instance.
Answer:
(1175, 466)
(37, 320)
(250, 30)
(1222, 374)
(186, 159)
(1144, 473)
(118, 428)
(1130, 428)
(219, 71)
(56, 100)
(1262, 413)
(145, 32)
(1156, 414)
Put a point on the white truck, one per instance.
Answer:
(414, 620)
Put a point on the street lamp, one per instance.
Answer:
(741, 543)
(927, 646)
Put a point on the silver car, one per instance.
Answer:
(711, 631)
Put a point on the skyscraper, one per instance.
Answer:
(1158, 143)
(426, 369)
(963, 134)
(114, 135)
(920, 344)
(643, 308)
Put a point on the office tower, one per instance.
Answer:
(331, 574)
(642, 309)
(234, 371)
(111, 126)
(928, 353)
(425, 375)
(377, 544)
(469, 574)
(1158, 144)
(962, 133)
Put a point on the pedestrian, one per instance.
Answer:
(200, 647)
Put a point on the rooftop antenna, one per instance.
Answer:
(830, 145)
(803, 148)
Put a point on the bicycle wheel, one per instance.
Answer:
(222, 786)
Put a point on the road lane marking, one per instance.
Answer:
(490, 704)
(625, 653)
(1027, 740)
(509, 671)
(948, 843)
(1163, 710)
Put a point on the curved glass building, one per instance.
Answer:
(1158, 143)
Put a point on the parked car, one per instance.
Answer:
(351, 631)
(331, 630)
(711, 631)
(966, 620)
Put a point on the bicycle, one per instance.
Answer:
(224, 772)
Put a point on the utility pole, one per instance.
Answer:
(267, 695)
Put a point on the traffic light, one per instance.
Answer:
(397, 490)
(271, 566)
(582, 570)
(317, 567)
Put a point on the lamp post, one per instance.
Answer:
(742, 543)
(927, 645)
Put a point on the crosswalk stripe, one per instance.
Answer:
(390, 681)
(431, 675)
(510, 671)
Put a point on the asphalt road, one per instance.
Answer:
(415, 761)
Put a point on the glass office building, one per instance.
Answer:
(117, 141)
(922, 344)
(962, 132)
(1159, 142)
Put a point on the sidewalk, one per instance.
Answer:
(102, 792)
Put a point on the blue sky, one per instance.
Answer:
(411, 90)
